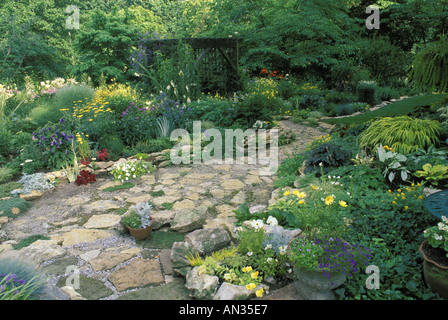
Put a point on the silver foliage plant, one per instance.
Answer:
(36, 181)
(143, 209)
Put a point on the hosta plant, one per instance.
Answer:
(433, 174)
(393, 163)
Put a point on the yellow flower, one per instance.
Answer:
(259, 293)
(406, 208)
(254, 275)
(301, 195)
(421, 197)
(329, 200)
(399, 190)
(287, 193)
(251, 286)
(301, 201)
(394, 202)
(247, 269)
(314, 187)
(343, 203)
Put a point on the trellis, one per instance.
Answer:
(217, 61)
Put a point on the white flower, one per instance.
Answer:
(250, 253)
(437, 237)
(257, 224)
(272, 221)
(269, 246)
(268, 259)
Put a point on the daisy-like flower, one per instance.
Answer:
(343, 203)
(329, 200)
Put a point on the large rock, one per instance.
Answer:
(139, 273)
(228, 291)
(161, 218)
(178, 257)
(202, 286)
(205, 241)
(189, 219)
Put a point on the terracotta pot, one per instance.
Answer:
(315, 285)
(141, 234)
(435, 275)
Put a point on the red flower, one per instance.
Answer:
(102, 155)
(85, 161)
(264, 71)
(85, 177)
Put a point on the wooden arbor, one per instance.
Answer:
(216, 61)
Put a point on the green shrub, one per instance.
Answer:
(327, 156)
(114, 144)
(366, 92)
(152, 145)
(430, 67)
(5, 139)
(403, 134)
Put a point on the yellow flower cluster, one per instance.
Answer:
(400, 197)
(318, 141)
(254, 276)
(264, 86)
(91, 110)
(388, 148)
(309, 86)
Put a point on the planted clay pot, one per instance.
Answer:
(315, 285)
(435, 269)
(141, 234)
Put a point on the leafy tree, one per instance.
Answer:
(104, 44)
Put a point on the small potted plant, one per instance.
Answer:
(435, 255)
(138, 220)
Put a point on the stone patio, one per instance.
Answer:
(85, 234)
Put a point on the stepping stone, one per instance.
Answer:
(232, 184)
(102, 221)
(109, 260)
(138, 273)
(77, 236)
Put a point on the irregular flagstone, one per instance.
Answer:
(39, 251)
(77, 236)
(252, 179)
(108, 260)
(109, 185)
(184, 204)
(102, 205)
(165, 199)
(102, 221)
(137, 199)
(138, 273)
(232, 184)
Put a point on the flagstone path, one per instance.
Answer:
(84, 234)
